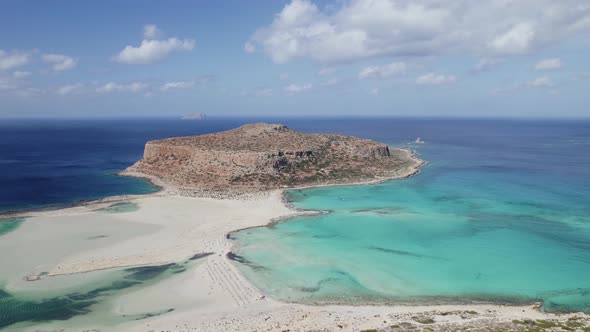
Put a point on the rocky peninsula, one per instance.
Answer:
(166, 229)
(261, 157)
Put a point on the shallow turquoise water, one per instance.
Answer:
(9, 224)
(30, 308)
(504, 219)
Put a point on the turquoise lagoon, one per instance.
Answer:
(500, 214)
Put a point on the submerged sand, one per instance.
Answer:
(212, 296)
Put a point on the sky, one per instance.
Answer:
(432, 58)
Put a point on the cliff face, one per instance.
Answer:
(266, 156)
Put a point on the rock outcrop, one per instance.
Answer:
(265, 156)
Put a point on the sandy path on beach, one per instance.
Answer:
(183, 226)
(213, 296)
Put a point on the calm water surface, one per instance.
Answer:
(500, 213)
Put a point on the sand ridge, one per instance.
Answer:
(219, 297)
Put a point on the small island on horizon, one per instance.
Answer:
(194, 116)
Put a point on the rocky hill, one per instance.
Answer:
(264, 156)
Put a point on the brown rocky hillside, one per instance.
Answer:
(263, 156)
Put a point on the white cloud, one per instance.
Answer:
(177, 85)
(292, 89)
(331, 82)
(548, 64)
(21, 74)
(69, 89)
(360, 29)
(382, 72)
(60, 62)
(115, 87)
(517, 40)
(435, 79)
(17, 87)
(152, 50)
(13, 60)
(7, 84)
(487, 63)
(264, 92)
(540, 82)
(151, 31)
(374, 91)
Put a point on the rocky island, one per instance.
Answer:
(185, 243)
(262, 156)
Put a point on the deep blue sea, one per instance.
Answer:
(55, 162)
(501, 212)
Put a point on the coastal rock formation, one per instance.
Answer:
(264, 156)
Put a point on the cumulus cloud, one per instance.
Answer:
(435, 79)
(60, 62)
(517, 40)
(116, 87)
(177, 85)
(292, 89)
(69, 89)
(540, 82)
(485, 64)
(383, 72)
(151, 50)
(11, 60)
(151, 31)
(360, 29)
(548, 64)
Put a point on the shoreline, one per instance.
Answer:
(224, 299)
(168, 189)
(27, 212)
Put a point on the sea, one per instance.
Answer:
(500, 213)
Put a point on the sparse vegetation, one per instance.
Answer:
(423, 320)
(264, 156)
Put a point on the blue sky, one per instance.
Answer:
(526, 58)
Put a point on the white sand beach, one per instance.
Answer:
(212, 296)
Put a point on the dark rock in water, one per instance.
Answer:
(96, 237)
(381, 211)
(200, 255)
(148, 272)
(237, 258)
(154, 314)
(402, 252)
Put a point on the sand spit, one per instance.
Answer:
(168, 227)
